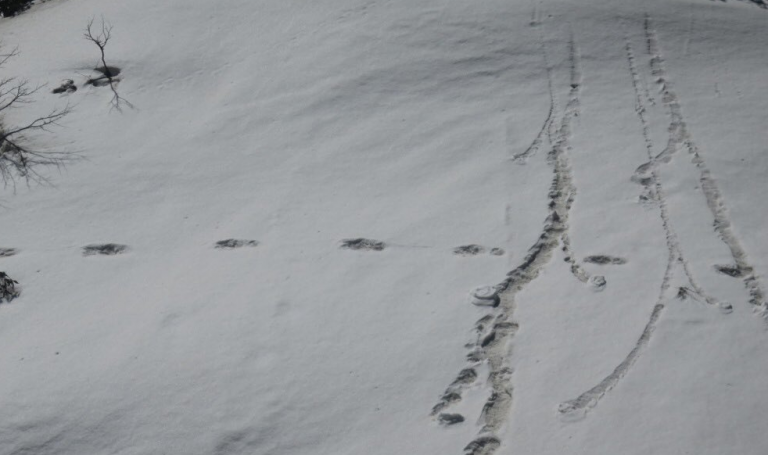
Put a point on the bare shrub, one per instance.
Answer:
(18, 157)
(100, 36)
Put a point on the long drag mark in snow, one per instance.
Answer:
(647, 175)
(546, 127)
(495, 330)
(587, 400)
(680, 138)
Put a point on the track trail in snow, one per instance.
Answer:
(494, 331)
(678, 270)
(681, 139)
(546, 128)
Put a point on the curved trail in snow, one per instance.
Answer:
(495, 330)
(647, 175)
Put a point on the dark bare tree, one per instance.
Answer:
(18, 157)
(100, 36)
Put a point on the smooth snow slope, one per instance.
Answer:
(555, 130)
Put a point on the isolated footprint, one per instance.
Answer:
(363, 244)
(468, 250)
(605, 260)
(106, 249)
(474, 250)
(8, 252)
(67, 86)
(235, 243)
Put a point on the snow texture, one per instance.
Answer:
(497, 227)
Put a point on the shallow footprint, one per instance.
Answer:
(8, 252)
(483, 445)
(235, 243)
(363, 244)
(106, 249)
(468, 250)
(598, 283)
(450, 419)
(602, 259)
(730, 270)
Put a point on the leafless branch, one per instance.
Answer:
(18, 158)
(100, 37)
(5, 57)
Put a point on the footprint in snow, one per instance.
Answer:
(598, 283)
(730, 270)
(605, 260)
(450, 419)
(474, 250)
(363, 244)
(229, 244)
(105, 249)
(468, 250)
(8, 252)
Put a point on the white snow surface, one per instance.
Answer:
(427, 125)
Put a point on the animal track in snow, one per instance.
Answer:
(546, 127)
(67, 86)
(486, 296)
(730, 270)
(105, 249)
(450, 419)
(484, 445)
(468, 250)
(8, 252)
(452, 394)
(647, 176)
(362, 244)
(570, 257)
(677, 265)
(495, 330)
(597, 282)
(107, 76)
(576, 408)
(235, 243)
(681, 138)
(605, 260)
(474, 250)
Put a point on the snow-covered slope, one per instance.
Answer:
(612, 153)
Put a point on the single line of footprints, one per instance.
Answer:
(359, 244)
